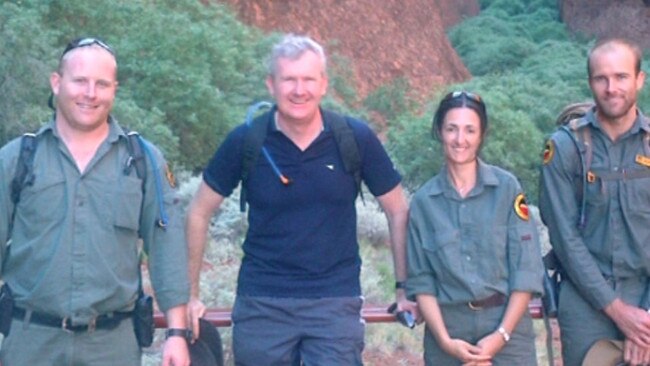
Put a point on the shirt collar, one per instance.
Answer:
(442, 183)
(115, 131)
(640, 123)
(273, 115)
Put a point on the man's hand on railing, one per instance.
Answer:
(195, 310)
(403, 304)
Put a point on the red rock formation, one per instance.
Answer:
(606, 18)
(383, 39)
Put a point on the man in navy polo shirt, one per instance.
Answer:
(298, 293)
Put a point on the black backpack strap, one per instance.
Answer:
(253, 142)
(347, 145)
(256, 134)
(136, 156)
(24, 175)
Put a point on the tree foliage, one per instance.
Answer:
(187, 71)
(24, 68)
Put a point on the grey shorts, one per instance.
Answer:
(283, 331)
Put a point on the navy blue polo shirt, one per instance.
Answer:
(302, 237)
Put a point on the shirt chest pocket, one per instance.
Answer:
(43, 201)
(443, 251)
(637, 192)
(127, 203)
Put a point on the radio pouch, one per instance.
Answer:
(143, 323)
(6, 309)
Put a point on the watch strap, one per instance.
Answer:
(178, 332)
(504, 333)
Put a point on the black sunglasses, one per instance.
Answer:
(86, 42)
(460, 93)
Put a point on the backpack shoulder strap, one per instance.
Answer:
(139, 152)
(136, 155)
(347, 145)
(24, 175)
(581, 138)
(253, 142)
(256, 134)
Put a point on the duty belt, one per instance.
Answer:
(497, 299)
(106, 321)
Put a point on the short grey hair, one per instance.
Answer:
(292, 46)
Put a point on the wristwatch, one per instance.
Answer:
(179, 332)
(504, 334)
(400, 285)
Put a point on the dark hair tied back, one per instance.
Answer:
(459, 99)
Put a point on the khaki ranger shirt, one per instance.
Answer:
(615, 241)
(74, 247)
(464, 249)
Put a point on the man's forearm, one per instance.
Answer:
(196, 233)
(176, 317)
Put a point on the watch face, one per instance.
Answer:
(504, 334)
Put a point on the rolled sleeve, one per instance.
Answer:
(421, 279)
(525, 262)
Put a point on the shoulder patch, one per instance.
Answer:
(549, 151)
(521, 207)
(170, 176)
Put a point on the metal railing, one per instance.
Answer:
(220, 317)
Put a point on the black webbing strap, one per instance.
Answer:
(24, 175)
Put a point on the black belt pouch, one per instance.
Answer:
(6, 309)
(143, 323)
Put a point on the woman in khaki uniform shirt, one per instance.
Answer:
(474, 257)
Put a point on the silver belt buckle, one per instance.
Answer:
(64, 324)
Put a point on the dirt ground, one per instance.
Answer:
(397, 358)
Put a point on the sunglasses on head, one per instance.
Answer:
(86, 42)
(466, 94)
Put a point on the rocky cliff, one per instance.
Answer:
(400, 38)
(606, 18)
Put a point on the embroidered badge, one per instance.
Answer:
(170, 176)
(549, 151)
(521, 207)
(591, 177)
(643, 160)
